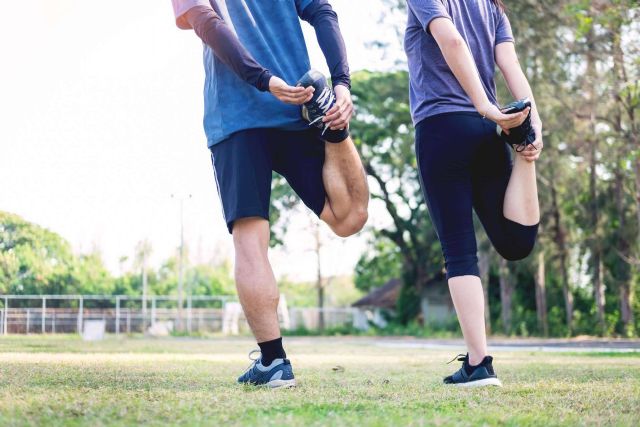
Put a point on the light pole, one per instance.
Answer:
(181, 199)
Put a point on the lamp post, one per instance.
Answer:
(181, 199)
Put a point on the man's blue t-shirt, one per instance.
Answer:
(270, 30)
(434, 88)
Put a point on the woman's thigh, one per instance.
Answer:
(445, 149)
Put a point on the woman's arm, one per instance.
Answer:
(458, 57)
(517, 82)
(518, 85)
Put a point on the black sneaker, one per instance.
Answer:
(322, 101)
(473, 376)
(519, 137)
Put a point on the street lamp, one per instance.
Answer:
(181, 199)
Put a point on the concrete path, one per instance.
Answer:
(550, 345)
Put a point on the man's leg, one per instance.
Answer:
(345, 183)
(243, 170)
(255, 281)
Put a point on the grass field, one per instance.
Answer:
(62, 381)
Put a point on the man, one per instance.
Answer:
(254, 53)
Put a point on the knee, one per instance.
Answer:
(352, 224)
(519, 243)
(250, 240)
(516, 252)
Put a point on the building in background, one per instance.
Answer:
(436, 306)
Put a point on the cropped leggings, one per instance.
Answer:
(464, 166)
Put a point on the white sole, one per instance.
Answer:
(281, 383)
(481, 383)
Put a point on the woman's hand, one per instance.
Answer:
(295, 95)
(505, 121)
(340, 114)
(533, 151)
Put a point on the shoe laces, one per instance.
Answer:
(529, 138)
(324, 103)
(460, 358)
(254, 360)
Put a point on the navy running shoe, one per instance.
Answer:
(322, 101)
(278, 374)
(473, 376)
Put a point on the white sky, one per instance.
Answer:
(101, 121)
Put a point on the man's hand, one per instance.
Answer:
(533, 151)
(295, 95)
(339, 116)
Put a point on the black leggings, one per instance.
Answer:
(463, 165)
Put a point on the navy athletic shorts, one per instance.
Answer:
(243, 166)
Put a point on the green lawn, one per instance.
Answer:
(62, 381)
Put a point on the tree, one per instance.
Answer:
(381, 130)
(34, 260)
(379, 264)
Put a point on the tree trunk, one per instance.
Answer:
(409, 304)
(506, 292)
(598, 289)
(624, 276)
(626, 311)
(637, 176)
(483, 265)
(541, 295)
(622, 270)
(596, 253)
(560, 240)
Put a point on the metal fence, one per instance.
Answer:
(30, 314)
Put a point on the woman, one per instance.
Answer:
(452, 48)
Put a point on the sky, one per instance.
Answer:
(101, 123)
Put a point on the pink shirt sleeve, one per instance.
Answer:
(180, 7)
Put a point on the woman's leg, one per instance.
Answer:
(505, 198)
(445, 148)
(468, 299)
(521, 198)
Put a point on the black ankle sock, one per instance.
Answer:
(271, 350)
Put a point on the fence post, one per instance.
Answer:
(129, 321)
(6, 315)
(80, 314)
(189, 313)
(153, 310)
(28, 320)
(44, 314)
(117, 315)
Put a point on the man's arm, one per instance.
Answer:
(213, 31)
(324, 20)
(216, 33)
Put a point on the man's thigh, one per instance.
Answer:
(242, 169)
(299, 157)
